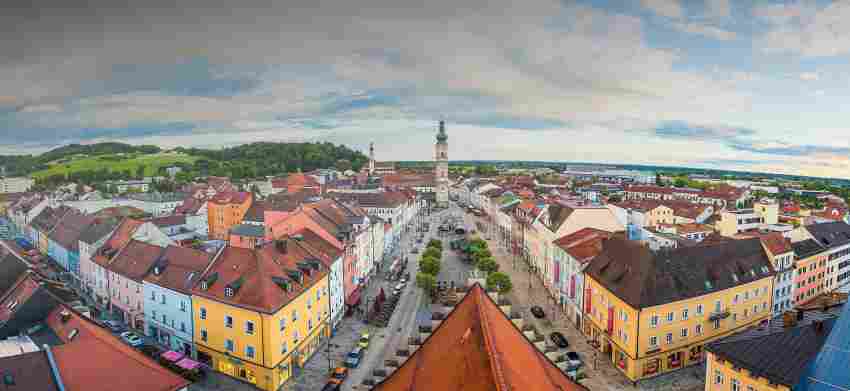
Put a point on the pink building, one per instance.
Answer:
(125, 272)
(810, 271)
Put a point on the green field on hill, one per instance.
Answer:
(114, 162)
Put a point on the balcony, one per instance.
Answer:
(718, 315)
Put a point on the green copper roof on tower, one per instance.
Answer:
(442, 136)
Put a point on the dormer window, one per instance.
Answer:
(229, 292)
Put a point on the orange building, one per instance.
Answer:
(225, 210)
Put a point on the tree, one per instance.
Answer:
(615, 198)
(435, 243)
(432, 252)
(430, 265)
(487, 265)
(427, 282)
(343, 165)
(140, 171)
(658, 180)
(500, 282)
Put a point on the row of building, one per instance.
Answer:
(654, 278)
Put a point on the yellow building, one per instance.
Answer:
(652, 313)
(748, 361)
(261, 313)
(763, 212)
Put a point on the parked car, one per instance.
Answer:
(538, 312)
(332, 387)
(415, 250)
(573, 361)
(114, 325)
(352, 360)
(132, 339)
(559, 340)
(364, 341)
(338, 376)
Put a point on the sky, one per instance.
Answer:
(743, 85)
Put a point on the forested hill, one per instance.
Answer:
(261, 159)
(97, 162)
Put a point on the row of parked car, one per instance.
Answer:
(352, 360)
(573, 360)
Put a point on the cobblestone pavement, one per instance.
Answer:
(599, 370)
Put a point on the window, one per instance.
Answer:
(764, 306)
(282, 324)
(685, 333)
(228, 321)
(162, 301)
(203, 335)
(153, 314)
(183, 306)
(228, 345)
(653, 341)
(750, 388)
(670, 316)
(309, 324)
(698, 329)
(669, 338)
(153, 296)
(685, 314)
(736, 385)
(735, 299)
(746, 297)
(249, 351)
(283, 348)
(699, 309)
(318, 295)
(163, 319)
(203, 313)
(183, 327)
(294, 315)
(718, 377)
(716, 324)
(309, 303)
(717, 306)
(249, 328)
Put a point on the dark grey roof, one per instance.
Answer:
(11, 268)
(643, 278)
(806, 248)
(830, 235)
(100, 229)
(781, 357)
(248, 230)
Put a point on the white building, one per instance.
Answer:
(441, 168)
(15, 184)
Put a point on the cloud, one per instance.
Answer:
(706, 30)
(718, 9)
(806, 28)
(809, 76)
(683, 130)
(668, 8)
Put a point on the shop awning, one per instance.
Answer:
(354, 297)
(172, 356)
(188, 363)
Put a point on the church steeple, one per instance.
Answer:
(371, 158)
(442, 137)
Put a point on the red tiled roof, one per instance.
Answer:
(776, 243)
(387, 199)
(30, 371)
(68, 231)
(189, 206)
(96, 360)
(477, 348)
(182, 270)
(254, 269)
(641, 205)
(686, 209)
(122, 235)
(18, 293)
(690, 228)
(408, 180)
(236, 197)
(135, 260)
(649, 189)
(583, 244)
(169, 221)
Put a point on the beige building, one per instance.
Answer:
(15, 184)
(763, 213)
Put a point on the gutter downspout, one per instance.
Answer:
(54, 368)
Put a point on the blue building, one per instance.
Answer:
(63, 242)
(168, 299)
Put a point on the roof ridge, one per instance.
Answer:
(490, 344)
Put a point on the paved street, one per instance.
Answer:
(528, 290)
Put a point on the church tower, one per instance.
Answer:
(441, 168)
(371, 158)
